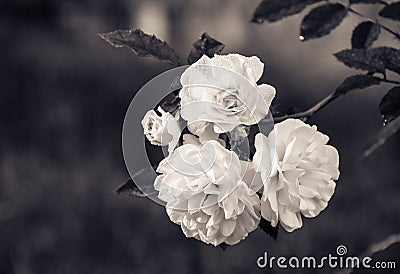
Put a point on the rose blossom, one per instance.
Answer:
(161, 130)
(228, 221)
(198, 175)
(203, 188)
(302, 179)
(223, 91)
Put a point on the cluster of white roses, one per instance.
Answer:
(207, 189)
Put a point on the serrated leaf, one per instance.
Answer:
(322, 20)
(367, 2)
(269, 229)
(391, 11)
(365, 34)
(390, 105)
(142, 44)
(360, 59)
(356, 82)
(372, 60)
(274, 10)
(129, 188)
(204, 45)
(389, 56)
(385, 133)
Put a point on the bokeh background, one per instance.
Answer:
(64, 93)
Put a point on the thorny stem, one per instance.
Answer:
(305, 115)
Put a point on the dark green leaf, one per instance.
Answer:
(204, 45)
(373, 60)
(391, 11)
(142, 44)
(274, 10)
(364, 35)
(390, 105)
(269, 229)
(356, 82)
(367, 2)
(385, 133)
(322, 20)
(129, 188)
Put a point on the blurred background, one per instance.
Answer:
(64, 93)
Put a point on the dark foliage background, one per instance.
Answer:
(64, 93)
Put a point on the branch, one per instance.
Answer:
(375, 248)
(388, 81)
(305, 115)
(383, 245)
(384, 134)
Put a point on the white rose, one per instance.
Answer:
(302, 179)
(198, 175)
(229, 221)
(205, 194)
(223, 92)
(161, 130)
